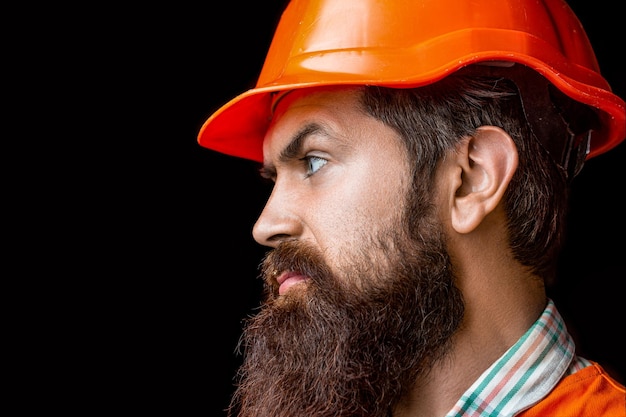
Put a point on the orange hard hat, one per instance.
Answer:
(410, 43)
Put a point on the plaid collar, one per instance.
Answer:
(526, 373)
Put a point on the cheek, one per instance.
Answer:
(378, 198)
(355, 216)
(360, 201)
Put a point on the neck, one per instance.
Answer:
(502, 301)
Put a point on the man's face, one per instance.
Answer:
(339, 175)
(356, 309)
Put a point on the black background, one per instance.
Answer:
(159, 229)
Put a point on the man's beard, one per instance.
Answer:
(352, 344)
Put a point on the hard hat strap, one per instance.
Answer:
(547, 112)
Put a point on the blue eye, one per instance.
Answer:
(313, 164)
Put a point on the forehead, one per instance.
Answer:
(331, 119)
(334, 109)
(329, 111)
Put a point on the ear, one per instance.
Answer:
(486, 163)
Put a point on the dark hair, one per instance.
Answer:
(433, 119)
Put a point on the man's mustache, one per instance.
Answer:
(293, 256)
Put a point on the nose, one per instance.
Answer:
(278, 220)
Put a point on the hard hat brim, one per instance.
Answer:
(238, 127)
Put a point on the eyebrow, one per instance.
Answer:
(293, 149)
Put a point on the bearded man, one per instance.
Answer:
(418, 208)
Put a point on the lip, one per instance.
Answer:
(288, 279)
